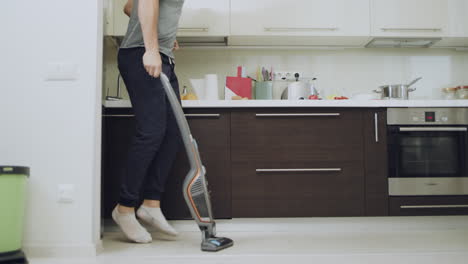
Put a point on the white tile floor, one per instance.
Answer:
(427, 240)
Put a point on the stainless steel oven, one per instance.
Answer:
(428, 151)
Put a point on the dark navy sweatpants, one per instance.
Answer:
(157, 137)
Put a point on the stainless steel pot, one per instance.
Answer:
(396, 91)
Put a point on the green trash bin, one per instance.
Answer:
(12, 201)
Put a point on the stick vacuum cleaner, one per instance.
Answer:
(195, 185)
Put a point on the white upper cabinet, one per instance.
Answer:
(458, 18)
(199, 18)
(204, 18)
(412, 18)
(300, 18)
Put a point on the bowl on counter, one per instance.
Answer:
(462, 92)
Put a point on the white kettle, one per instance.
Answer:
(298, 91)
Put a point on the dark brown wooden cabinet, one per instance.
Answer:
(211, 129)
(118, 128)
(279, 162)
(297, 162)
(375, 157)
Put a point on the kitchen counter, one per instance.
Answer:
(305, 103)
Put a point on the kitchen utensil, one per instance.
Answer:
(414, 81)
(264, 90)
(397, 91)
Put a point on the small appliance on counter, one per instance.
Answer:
(300, 90)
(428, 151)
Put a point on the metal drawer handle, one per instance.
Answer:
(434, 206)
(299, 170)
(202, 115)
(118, 115)
(411, 29)
(194, 29)
(281, 29)
(299, 114)
(433, 129)
(376, 124)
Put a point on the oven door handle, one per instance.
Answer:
(433, 129)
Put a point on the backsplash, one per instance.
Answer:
(349, 70)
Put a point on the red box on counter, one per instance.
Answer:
(238, 87)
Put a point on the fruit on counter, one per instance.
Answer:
(340, 98)
(190, 96)
(313, 97)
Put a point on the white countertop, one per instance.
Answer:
(305, 103)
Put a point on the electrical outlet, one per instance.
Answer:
(66, 193)
(286, 75)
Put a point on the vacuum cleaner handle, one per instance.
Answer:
(195, 182)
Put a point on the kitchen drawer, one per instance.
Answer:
(428, 205)
(315, 189)
(302, 135)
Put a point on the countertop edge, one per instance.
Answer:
(306, 103)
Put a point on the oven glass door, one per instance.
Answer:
(428, 152)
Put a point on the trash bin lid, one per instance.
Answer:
(17, 170)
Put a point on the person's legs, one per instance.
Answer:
(160, 168)
(149, 106)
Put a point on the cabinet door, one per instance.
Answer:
(116, 21)
(412, 18)
(428, 205)
(211, 130)
(294, 162)
(458, 20)
(375, 156)
(204, 18)
(118, 131)
(300, 17)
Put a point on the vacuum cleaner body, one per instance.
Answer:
(195, 187)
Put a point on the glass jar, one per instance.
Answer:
(450, 93)
(462, 92)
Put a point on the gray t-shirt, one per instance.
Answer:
(169, 15)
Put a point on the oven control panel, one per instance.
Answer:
(427, 116)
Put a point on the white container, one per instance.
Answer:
(211, 87)
(198, 86)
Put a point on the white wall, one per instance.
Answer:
(53, 126)
(351, 70)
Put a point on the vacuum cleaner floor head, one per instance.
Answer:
(216, 244)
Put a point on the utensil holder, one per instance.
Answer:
(264, 90)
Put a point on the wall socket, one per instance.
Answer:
(66, 193)
(286, 75)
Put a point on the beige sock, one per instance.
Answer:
(131, 227)
(155, 218)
